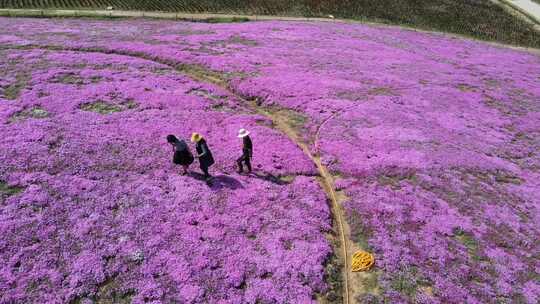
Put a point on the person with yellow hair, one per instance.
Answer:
(203, 153)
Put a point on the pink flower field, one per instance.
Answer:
(432, 142)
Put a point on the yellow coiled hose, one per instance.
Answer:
(362, 261)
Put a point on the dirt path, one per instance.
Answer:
(280, 122)
(145, 14)
(327, 183)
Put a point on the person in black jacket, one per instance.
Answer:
(247, 151)
(203, 154)
(182, 155)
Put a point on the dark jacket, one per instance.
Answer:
(247, 148)
(205, 155)
(182, 155)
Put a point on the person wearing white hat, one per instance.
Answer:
(247, 151)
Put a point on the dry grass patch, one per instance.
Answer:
(35, 112)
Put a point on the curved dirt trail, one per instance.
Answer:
(327, 183)
(280, 122)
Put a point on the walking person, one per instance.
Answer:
(203, 154)
(247, 151)
(182, 155)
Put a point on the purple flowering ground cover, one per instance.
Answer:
(434, 141)
(101, 212)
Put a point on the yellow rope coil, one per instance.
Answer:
(362, 261)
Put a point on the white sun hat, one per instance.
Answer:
(243, 133)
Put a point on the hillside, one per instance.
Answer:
(479, 18)
(426, 146)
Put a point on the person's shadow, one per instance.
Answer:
(270, 178)
(218, 181)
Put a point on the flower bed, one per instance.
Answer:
(93, 208)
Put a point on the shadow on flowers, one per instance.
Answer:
(219, 181)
